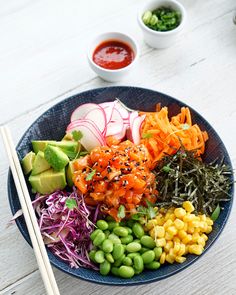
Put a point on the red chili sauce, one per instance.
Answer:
(113, 55)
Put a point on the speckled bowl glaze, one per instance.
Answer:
(135, 98)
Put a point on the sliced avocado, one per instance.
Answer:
(40, 164)
(39, 145)
(56, 157)
(69, 173)
(48, 181)
(27, 162)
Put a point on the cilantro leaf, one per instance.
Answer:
(121, 211)
(71, 204)
(90, 175)
(77, 135)
(147, 135)
(150, 210)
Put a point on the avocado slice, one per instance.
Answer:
(39, 145)
(69, 173)
(56, 157)
(27, 162)
(40, 164)
(48, 181)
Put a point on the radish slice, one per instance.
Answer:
(122, 134)
(116, 123)
(136, 129)
(98, 116)
(92, 136)
(123, 112)
(108, 108)
(132, 117)
(83, 110)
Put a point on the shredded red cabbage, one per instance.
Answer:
(67, 231)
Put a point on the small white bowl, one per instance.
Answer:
(158, 39)
(106, 74)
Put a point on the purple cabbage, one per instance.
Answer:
(66, 232)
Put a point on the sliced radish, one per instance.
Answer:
(132, 117)
(98, 116)
(122, 134)
(81, 111)
(136, 129)
(116, 124)
(124, 113)
(92, 136)
(108, 108)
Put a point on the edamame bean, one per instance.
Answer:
(137, 241)
(120, 231)
(158, 252)
(92, 255)
(119, 261)
(138, 263)
(102, 224)
(153, 265)
(105, 268)
(126, 272)
(107, 246)
(115, 271)
(94, 233)
(109, 257)
(99, 256)
(118, 251)
(144, 249)
(114, 238)
(128, 229)
(127, 240)
(148, 242)
(107, 232)
(127, 261)
(112, 225)
(132, 255)
(100, 237)
(133, 247)
(148, 256)
(138, 230)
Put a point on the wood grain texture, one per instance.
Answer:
(42, 61)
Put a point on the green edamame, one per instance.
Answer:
(114, 238)
(126, 272)
(133, 247)
(148, 256)
(127, 261)
(115, 271)
(94, 233)
(138, 263)
(128, 229)
(121, 231)
(102, 224)
(132, 255)
(107, 246)
(92, 255)
(105, 268)
(99, 256)
(119, 261)
(107, 232)
(109, 257)
(127, 240)
(138, 230)
(112, 225)
(100, 237)
(118, 251)
(158, 252)
(153, 265)
(148, 242)
(144, 249)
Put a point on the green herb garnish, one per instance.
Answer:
(77, 135)
(121, 211)
(145, 212)
(71, 204)
(90, 175)
(215, 213)
(147, 135)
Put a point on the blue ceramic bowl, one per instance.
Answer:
(135, 98)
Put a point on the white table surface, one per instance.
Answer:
(42, 61)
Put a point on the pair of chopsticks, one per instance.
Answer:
(29, 215)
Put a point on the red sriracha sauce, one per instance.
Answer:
(113, 55)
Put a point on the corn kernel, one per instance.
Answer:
(176, 247)
(162, 210)
(180, 213)
(195, 237)
(168, 236)
(171, 210)
(159, 231)
(188, 206)
(201, 241)
(179, 224)
(182, 249)
(168, 223)
(197, 230)
(203, 226)
(172, 230)
(151, 224)
(180, 259)
(176, 239)
(182, 234)
(170, 258)
(190, 230)
(188, 217)
(187, 239)
(160, 220)
(162, 258)
(208, 229)
(195, 249)
(203, 217)
(205, 237)
(209, 221)
(194, 223)
(167, 216)
(160, 242)
(185, 226)
(168, 246)
(186, 250)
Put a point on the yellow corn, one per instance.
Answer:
(182, 249)
(190, 230)
(160, 220)
(203, 217)
(188, 206)
(209, 221)
(179, 224)
(188, 217)
(168, 236)
(195, 237)
(187, 239)
(201, 241)
(161, 242)
(176, 239)
(168, 223)
(180, 213)
(176, 247)
(180, 259)
(208, 229)
(205, 237)
(195, 249)
(172, 230)
(182, 234)
(194, 223)
(162, 258)
(151, 223)
(168, 246)
(170, 258)
(160, 231)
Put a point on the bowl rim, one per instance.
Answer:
(54, 260)
(135, 49)
(162, 33)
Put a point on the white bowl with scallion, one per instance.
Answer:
(161, 21)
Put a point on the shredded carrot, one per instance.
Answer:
(166, 135)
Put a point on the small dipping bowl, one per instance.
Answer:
(112, 75)
(161, 39)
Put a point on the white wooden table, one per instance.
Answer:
(42, 61)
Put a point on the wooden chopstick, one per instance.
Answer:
(29, 215)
